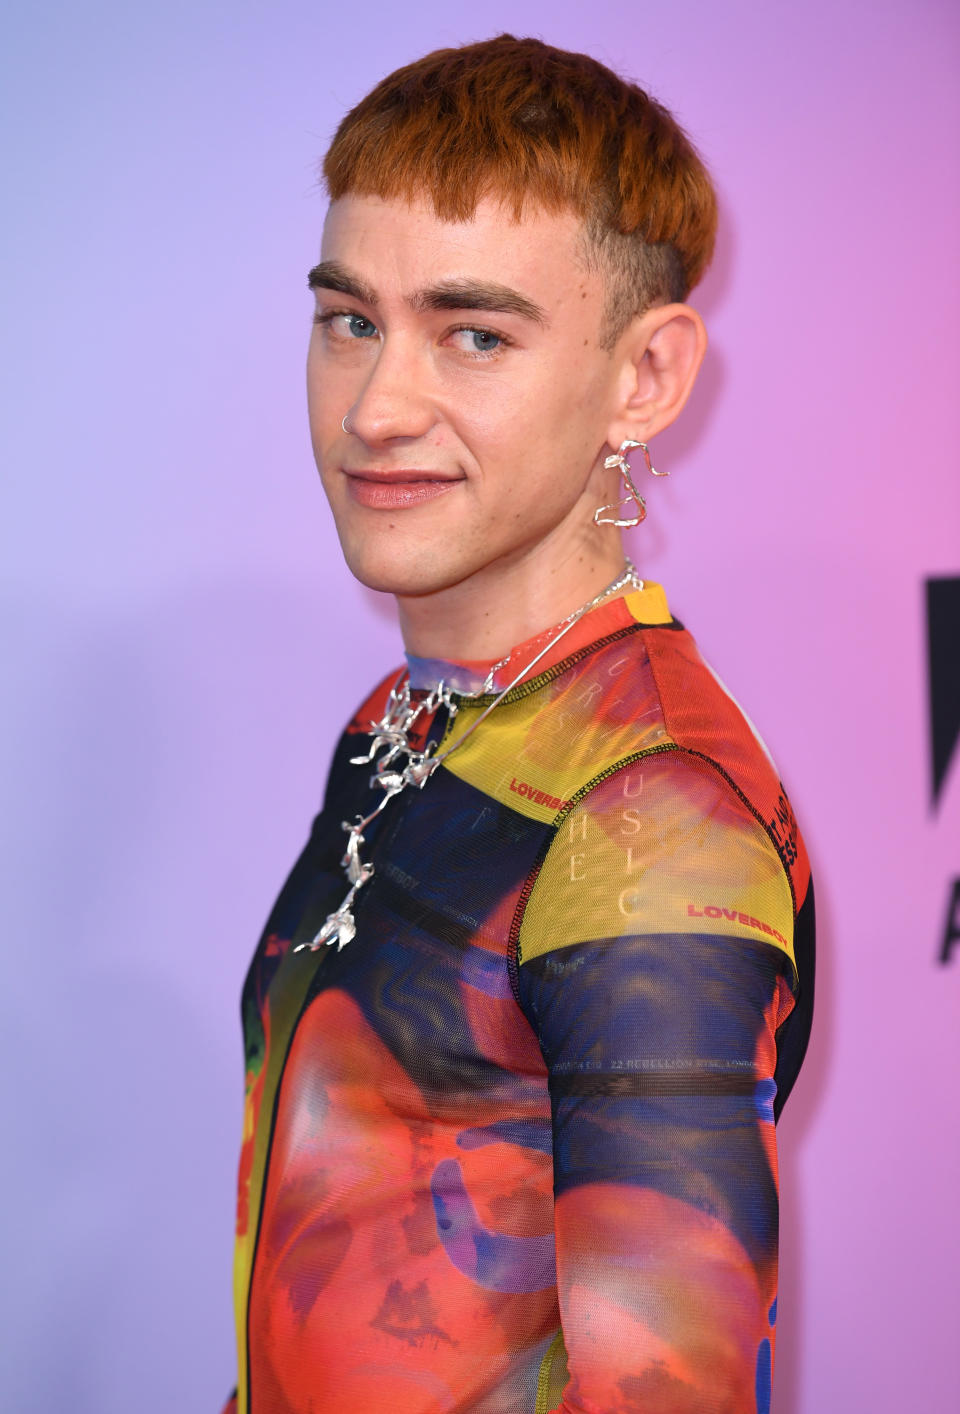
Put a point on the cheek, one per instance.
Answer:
(505, 416)
(556, 398)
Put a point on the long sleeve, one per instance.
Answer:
(655, 967)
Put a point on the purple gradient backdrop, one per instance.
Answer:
(182, 641)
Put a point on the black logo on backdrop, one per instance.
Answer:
(943, 665)
(943, 661)
(951, 928)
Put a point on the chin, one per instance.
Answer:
(414, 553)
(402, 572)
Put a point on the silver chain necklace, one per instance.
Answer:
(392, 775)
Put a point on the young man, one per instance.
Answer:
(526, 1009)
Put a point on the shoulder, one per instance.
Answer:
(672, 816)
(650, 692)
(703, 721)
(662, 845)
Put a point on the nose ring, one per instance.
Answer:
(343, 424)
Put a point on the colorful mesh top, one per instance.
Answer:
(512, 1149)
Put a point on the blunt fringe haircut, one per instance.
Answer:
(520, 121)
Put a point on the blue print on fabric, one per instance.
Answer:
(764, 1377)
(529, 1134)
(763, 1098)
(492, 1259)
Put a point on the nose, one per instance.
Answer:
(395, 399)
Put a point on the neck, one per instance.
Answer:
(486, 615)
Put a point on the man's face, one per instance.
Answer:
(466, 359)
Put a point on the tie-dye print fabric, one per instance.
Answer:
(513, 1148)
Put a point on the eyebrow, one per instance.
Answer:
(331, 275)
(448, 294)
(479, 294)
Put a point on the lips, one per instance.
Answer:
(395, 490)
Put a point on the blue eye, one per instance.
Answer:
(344, 325)
(478, 341)
(360, 327)
(484, 340)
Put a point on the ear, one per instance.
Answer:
(660, 354)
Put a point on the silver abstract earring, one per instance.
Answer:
(619, 460)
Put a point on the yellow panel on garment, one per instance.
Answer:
(534, 753)
(649, 605)
(665, 845)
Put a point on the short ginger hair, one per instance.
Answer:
(518, 120)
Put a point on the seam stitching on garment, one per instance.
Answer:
(516, 926)
(703, 756)
(548, 675)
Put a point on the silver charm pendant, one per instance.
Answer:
(339, 928)
(391, 731)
